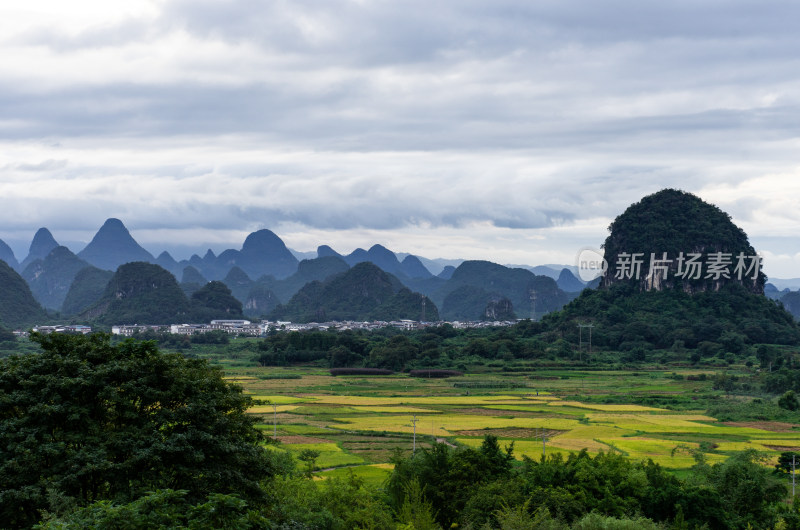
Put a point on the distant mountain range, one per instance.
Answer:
(115, 280)
(266, 277)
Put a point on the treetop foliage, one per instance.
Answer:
(86, 420)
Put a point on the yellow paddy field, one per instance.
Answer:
(359, 430)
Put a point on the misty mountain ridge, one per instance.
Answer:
(113, 246)
(41, 245)
(263, 253)
(7, 255)
(261, 275)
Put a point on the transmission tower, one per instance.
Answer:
(580, 338)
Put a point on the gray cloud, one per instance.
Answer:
(541, 119)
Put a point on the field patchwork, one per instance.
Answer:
(357, 424)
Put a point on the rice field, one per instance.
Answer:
(448, 424)
(371, 474)
(605, 408)
(358, 423)
(416, 400)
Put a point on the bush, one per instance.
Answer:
(360, 371)
(435, 374)
(789, 401)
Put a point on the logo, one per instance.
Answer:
(590, 264)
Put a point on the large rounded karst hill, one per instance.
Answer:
(714, 313)
(684, 229)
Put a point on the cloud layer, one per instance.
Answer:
(511, 131)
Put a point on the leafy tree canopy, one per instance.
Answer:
(86, 420)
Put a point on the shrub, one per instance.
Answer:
(435, 374)
(360, 371)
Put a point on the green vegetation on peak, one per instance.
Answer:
(192, 275)
(238, 282)
(713, 322)
(86, 289)
(140, 293)
(724, 317)
(50, 278)
(18, 307)
(355, 294)
(143, 293)
(406, 305)
(711, 316)
(465, 303)
(674, 222)
(260, 301)
(474, 284)
(215, 301)
(308, 270)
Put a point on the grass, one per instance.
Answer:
(330, 455)
(373, 475)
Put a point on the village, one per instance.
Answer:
(240, 327)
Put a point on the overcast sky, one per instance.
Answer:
(513, 131)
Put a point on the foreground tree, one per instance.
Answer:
(86, 420)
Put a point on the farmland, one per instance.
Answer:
(358, 423)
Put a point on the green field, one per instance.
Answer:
(357, 423)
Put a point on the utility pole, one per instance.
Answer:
(274, 421)
(533, 305)
(793, 470)
(580, 329)
(544, 444)
(414, 421)
(423, 309)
